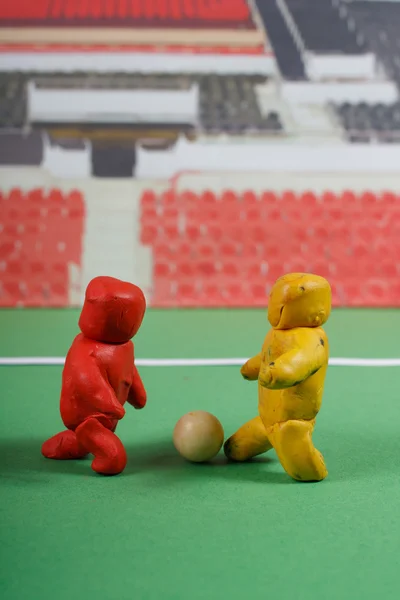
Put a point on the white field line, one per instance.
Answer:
(196, 362)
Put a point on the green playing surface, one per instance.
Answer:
(169, 530)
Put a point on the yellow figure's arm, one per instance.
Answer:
(251, 368)
(293, 367)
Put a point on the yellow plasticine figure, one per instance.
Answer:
(291, 371)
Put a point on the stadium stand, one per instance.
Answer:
(324, 27)
(228, 103)
(13, 100)
(41, 234)
(112, 80)
(228, 249)
(365, 122)
(164, 13)
(201, 23)
(380, 22)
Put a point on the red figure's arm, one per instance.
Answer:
(137, 396)
(97, 391)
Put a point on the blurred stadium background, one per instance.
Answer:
(199, 148)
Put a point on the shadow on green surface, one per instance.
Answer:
(21, 460)
(163, 458)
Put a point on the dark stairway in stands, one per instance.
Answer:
(286, 52)
(325, 27)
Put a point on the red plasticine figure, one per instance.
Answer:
(99, 376)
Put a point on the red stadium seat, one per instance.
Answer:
(168, 198)
(162, 269)
(187, 293)
(208, 197)
(308, 199)
(376, 293)
(148, 234)
(75, 203)
(211, 294)
(254, 213)
(170, 230)
(275, 270)
(297, 265)
(183, 248)
(389, 199)
(148, 215)
(259, 293)
(235, 293)
(229, 198)
(249, 198)
(205, 268)
(348, 197)
(206, 250)
(329, 199)
(269, 198)
(235, 230)
(228, 249)
(253, 270)
(187, 198)
(12, 292)
(230, 270)
(185, 270)
(193, 232)
(387, 270)
(36, 196)
(56, 196)
(367, 199)
(15, 195)
(213, 232)
(170, 213)
(163, 251)
(148, 198)
(249, 250)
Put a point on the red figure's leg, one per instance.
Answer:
(63, 446)
(109, 452)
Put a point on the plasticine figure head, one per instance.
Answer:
(113, 310)
(299, 300)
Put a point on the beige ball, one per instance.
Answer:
(198, 436)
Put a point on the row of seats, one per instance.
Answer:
(309, 227)
(14, 292)
(369, 293)
(41, 233)
(24, 282)
(226, 268)
(309, 198)
(363, 121)
(229, 104)
(244, 239)
(180, 10)
(20, 199)
(229, 247)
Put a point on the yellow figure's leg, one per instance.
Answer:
(250, 440)
(298, 456)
